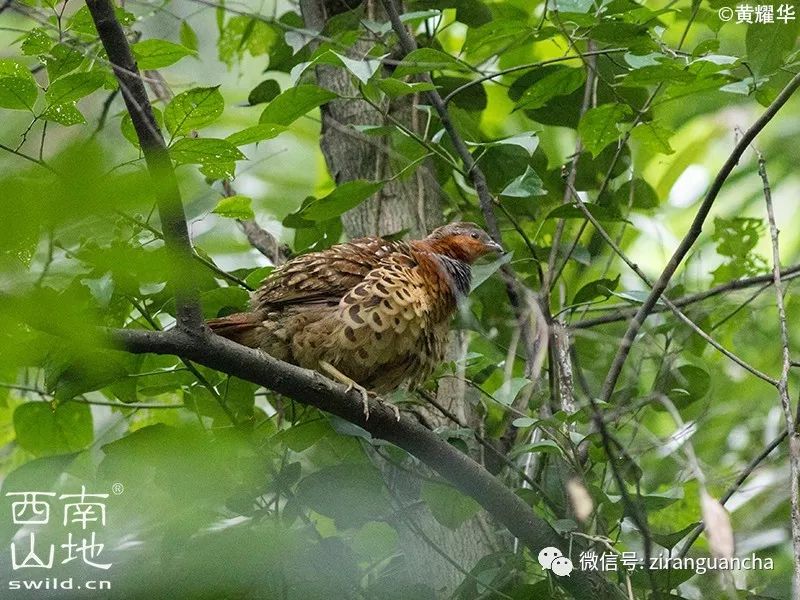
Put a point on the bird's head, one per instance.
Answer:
(461, 241)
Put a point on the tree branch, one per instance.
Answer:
(259, 238)
(690, 238)
(529, 67)
(159, 164)
(622, 312)
(783, 380)
(311, 388)
(751, 466)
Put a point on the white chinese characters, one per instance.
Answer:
(88, 511)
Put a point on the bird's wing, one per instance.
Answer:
(322, 277)
(393, 296)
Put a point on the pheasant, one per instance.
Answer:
(370, 313)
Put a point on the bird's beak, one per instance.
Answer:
(495, 247)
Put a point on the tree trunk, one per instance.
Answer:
(435, 555)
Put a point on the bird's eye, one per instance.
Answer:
(475, 235)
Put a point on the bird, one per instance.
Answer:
(370, 313)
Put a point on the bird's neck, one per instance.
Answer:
(456, 274)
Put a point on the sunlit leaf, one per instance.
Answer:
(294, 103)
(156, 54)
(235, 207)
(193, 109)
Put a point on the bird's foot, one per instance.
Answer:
(337, 375)
(365, 394)
(395, 409)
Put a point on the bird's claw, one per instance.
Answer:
(364, 397)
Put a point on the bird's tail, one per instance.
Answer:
(243, 328)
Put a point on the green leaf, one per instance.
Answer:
(482, 271)
(670, 540)
(188, 36)
(498, 35)
(425, 60)
(526, 185)
(128, 131)
(655, 74)
(235, 207)
(637, 191)
(156, 54)
(304, 435)
(654, 137)
(65, 113)
(18, 93)
(294, 103)
(448, 506)
(542, 446)
(560, 82)
(264, 92)
(599, 126)
(36, 42)
(363, 70)
(529, 141)
(768, 44)
(257, 133)
(245, 33)
(394, 88)
(508, 391)
(599, 288)
(736, 237)
(74, 87)
(62, 59)
(193, 109)
(574, 6)
(43, 431)
(351, 494)
(346, 196)
(686, 384)
(204, 151)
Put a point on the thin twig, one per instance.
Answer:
(259, 238)
(623, 312)
(27, 157)
(783, 381)
(751, 466)
(529, 67)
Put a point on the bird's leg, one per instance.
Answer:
(337, 375)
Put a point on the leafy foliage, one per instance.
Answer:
(243, 493)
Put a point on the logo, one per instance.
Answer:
(551, 558)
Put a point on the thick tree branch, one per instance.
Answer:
(263, 241)
(165, 185)
(690, 238)
(311, 388)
